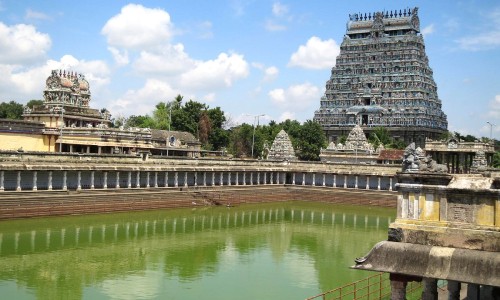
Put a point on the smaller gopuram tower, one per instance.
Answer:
(382, 78)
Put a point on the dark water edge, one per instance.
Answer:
(286, 250)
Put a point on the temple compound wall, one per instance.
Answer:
(28, 172)
(382, 78)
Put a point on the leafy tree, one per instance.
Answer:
(140, 121)
(161, 116)
(205, 128)
(241, 140)
(380, 135)
(311, 140)
(495, 163)
(11, 110)
(34, 102)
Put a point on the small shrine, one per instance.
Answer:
(356, 149)
(282, 148)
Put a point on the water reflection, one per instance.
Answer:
(289, 250)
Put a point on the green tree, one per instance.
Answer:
(311, 140)
(140, 121)
(241, 140)
(11, 110)
(34, 102)
(380, 135)
(495, 163)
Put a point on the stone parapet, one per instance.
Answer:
(460, 211)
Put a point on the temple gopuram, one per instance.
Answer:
(66, 123)
(382, 78)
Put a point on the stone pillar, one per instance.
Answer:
(50, 181)
(398, 290)
(303, 178)
(166, 179)
(453, 290)
(367, 182)
(99, 150)
(195, 178)
(18, 181)
(2, 181)
(92, 180)
(265, 177)
(65, 180)
(356, 182)
(237, 178)
(473, 292)
(258, 178)
(79, 180)
(204, 178)
(324, 183)
(88, 149)
(334, 180)
(117, 182)
(213, 178)
(185, 179)
(429, 291)
(176, 179)
(314, 179)
(147, 179)
(105, 180)
(390, 184)
(70, 148)
(345, 181)
(229, 178)
(244, 178)
(271, 177)
(35, 187)
(221, 179)
(156, 179)
(293, 178)
(251, 178)
(138, 179)
(278, 177)
(129, 179)
(378, 183)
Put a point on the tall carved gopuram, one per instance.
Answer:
(382, 78)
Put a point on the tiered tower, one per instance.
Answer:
(382, 78)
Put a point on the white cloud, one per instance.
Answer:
(279, 9)
(21, 44)
(286, 116)
(271, 73)
(138, 27)
(427, 30)
(205, 29)
(487, 38)
(316, 54)
(272, 26)
(143, 101)
(120, 57)
(210, 97)
(295, 97)
(494, 112)
(166, 60)
(32, 15)
(217, 73)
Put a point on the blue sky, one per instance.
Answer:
(247, 57)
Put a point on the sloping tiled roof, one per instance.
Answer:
(157, 134)
(391, 154)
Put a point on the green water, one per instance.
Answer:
(267, 251)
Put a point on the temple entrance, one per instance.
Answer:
(364, 119)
